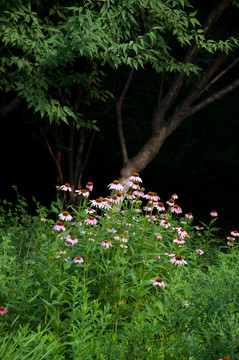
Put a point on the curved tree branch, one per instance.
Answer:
(11, 106)
(119, 117)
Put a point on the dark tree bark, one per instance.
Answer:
(166, 116)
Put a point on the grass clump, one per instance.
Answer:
(122, 277)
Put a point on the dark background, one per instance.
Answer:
(199, 161)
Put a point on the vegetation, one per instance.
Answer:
(73, 64)
(93, 282)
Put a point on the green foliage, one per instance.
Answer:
(47, 56)
(106, 306)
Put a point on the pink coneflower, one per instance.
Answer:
(169, 254)
(158, 282)
(170, 202)
(115, 185)
(90, 211)
(111, 231)
(65, 187)
(78, 259)
(174, 196)
(178, 260)
(89, 186)
(106, 205)
(179, 241)
(121, 238)
(120, 196)
(83, 192)
(115, 199)
(71, 240)
(98, 203)
(149, 207)
(199, 251)
(124, 246)
(199, 227)
(182, 233)
(152, 196)
(3, 310)
(139, 192)
(189, 216)
(213, 213)
(91, 220)
(225, 358)
(135, 177)
(106, 243)
(157, 257)
(234, 233)
(160, 206)
(91, 240)
(230, 241)
(134, 185)
(59, 226)
(176, 209)
(130, 195)
(164, 223)
(65, 216)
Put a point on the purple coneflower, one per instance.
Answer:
(234, 233)
(91, 220)
(158, 282)
(124, 246)
(213, 213)
(3, 310)
(89, 186)
(178, 260)
(65, 216)
(176, 209)
(59, 226)
(199, 251)
(106, 243)
(78, 259)
(189, 216)
(115, 185)
(72, 240)
(179, 241)
(135, 177)
(90, 211)
(160, 206)
(65, 187)
(83, 192)
(98, 203)
(199, 227)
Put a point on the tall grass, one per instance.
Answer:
(107, 305)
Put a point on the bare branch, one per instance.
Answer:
(178, 80)
(11, 106)
(218, 95)
(119, 117)
(52, 155)
(219, 76)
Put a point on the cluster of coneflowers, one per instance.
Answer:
(154, 210)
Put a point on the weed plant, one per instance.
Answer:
(122, 277)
